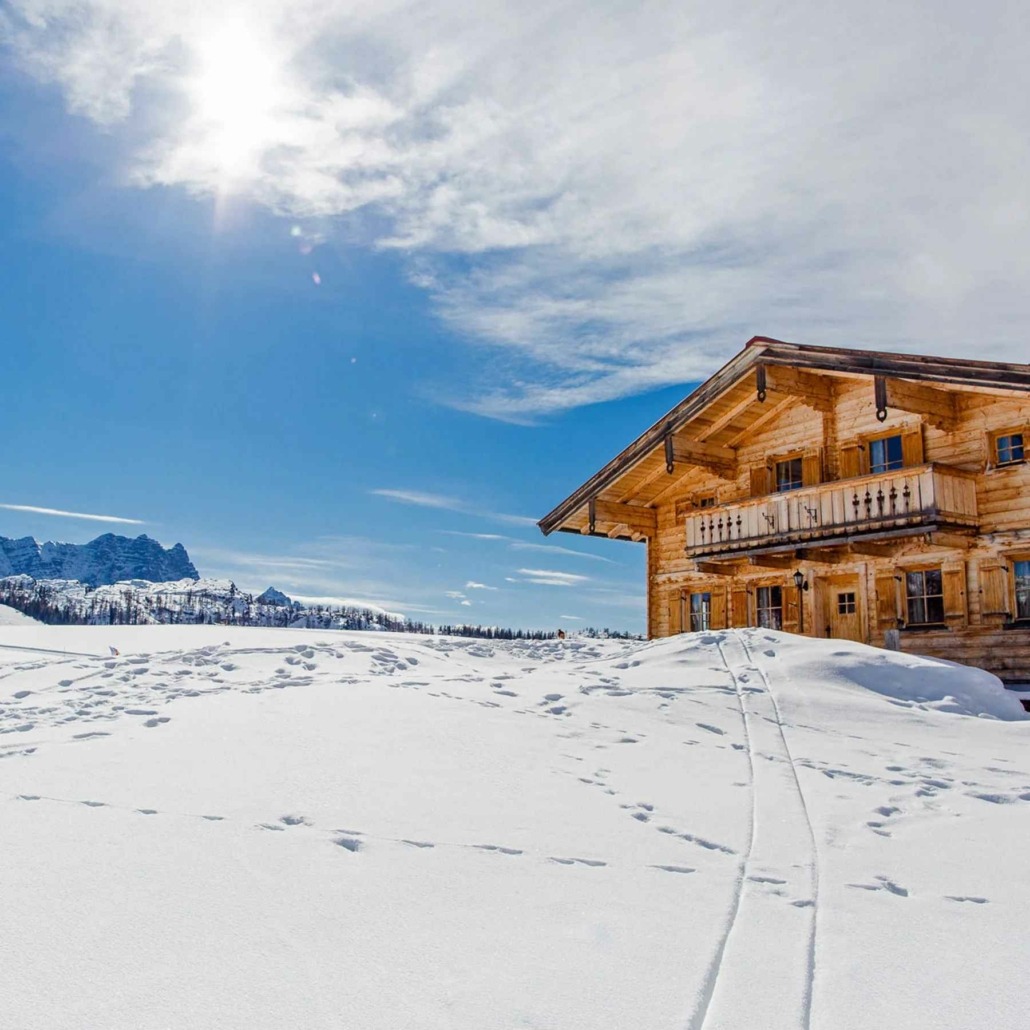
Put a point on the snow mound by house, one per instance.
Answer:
(289, 829)
(929, 683)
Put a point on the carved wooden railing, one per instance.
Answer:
(920, 495)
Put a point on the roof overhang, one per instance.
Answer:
(762, 350)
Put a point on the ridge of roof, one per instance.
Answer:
(767, 350)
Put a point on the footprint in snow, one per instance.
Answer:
(94, 804)
(295, 820)
(147, 811)
(592, 862)
(966, 897)
(497, 848)
(711, 729)
(419, 843)
(674, 868)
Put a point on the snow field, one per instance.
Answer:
(257, 828)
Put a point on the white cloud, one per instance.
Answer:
(422, 499)
(632, 190)
(556, 549)
(550, 578)
(572, 618)
(473, 585)
(33, 510)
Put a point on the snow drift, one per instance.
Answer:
(235, 828)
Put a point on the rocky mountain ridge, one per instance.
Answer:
(107, 559)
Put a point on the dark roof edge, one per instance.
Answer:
(959, 371)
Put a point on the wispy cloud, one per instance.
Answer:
(34, 510)
(549, 578)
(514, 544)
(473, 585)
(610, 198)
(572, 618)
(519, 545)
(421, 499)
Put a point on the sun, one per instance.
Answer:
(238, 95)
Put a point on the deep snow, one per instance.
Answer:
(229, 828)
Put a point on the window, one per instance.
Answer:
(1021, 570)
(925, 594)
(846, 603)
(886, 454)
(700, 612)
(1008, 448)
(770, 607)
(789, 475)
(707, 501)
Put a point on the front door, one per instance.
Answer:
(841, 608)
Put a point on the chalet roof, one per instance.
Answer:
(761, 350)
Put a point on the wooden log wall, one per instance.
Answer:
(975, 575)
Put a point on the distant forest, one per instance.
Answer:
(74, 604)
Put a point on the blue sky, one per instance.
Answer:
(342, 296)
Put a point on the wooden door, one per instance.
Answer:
(840, 608)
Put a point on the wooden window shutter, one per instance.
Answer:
(739, 608)
(812, 468)
(954, 579)
(886, 600)
(790, 607)
(719, 608)
(759, 480)
(850, 461)
(994, 590)
(912, 447)
(674, 614)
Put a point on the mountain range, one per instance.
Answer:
(107, 559)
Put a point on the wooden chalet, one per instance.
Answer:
(877, 497)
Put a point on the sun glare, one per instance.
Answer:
(237, 92)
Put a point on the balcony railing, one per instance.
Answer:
(921, 495)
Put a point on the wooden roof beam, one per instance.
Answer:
(727, 417)
(826, 555)
(766, 416)
(938, 407)
(722, 461)
(814, 391)
(711, 568)
(773, 561)
(629, 518)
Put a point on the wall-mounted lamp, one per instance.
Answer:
(801, 584)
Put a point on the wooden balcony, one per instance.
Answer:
(924, 495)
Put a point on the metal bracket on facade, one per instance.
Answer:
(760, 382)
(880, 392)
(670, 455)
(592, 514)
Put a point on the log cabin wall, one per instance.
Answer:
(976, 572)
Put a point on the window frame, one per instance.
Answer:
(703, 615)
(847, 602)
(770, 607)
(788, 459)
(994, 454)
(1014, 578)
(924, 597)
(894, 434)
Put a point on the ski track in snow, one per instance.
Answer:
(780, 860)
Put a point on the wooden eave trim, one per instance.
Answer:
(654, 437)
(1009, 377)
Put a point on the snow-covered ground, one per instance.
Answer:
(250, 829)
(12, 617)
